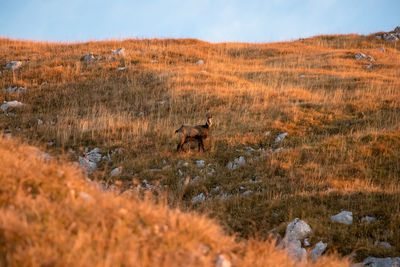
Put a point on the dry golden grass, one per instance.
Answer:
(342, 151)
(50, 215)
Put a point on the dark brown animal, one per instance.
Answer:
(194, 133)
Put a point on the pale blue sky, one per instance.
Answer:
(209, 20)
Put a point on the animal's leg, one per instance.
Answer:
(180, 145)
(199, 144)
(202, 145)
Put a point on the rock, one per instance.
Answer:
(360, 56)
(295, 251)
(381, 262)
(14, 65)
(302, 76)
(199, 198)
(94, 155)
(296, 230)
(397, 29)
(306, 243)
(116, 172)
(280, 137)
(246, 193)
(390, 37)
(39, 122)
(118, 52)
(317, 251)
(231, 166)
(240, 161)
(10, 104)
(382, 244)
(382, 49)
(88, 165)
(200, 163)
(121, 68)
(16, 89)
(85, 196)
(345, 217)
(222, 261)
(89, 57)
(200, 62)
(368, 219)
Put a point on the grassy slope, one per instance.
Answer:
(50, 215)
(342, 150)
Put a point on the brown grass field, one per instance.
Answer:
(342, 151)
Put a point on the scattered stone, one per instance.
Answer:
(368, 219)
(116, 172)
(121, 68)
(186, 164)
(200, 62)
(222, 261)
(215, 189)
(295, 250)
(381, 262)
(317, 251)
(39, 122)
(369, 66)
(162, 102)
(85, 196)
(360, 56)
(90, 57)
(306, 243)
(89, 162)
(302, 76)
(383, 244)
(296, 230)
(199, 198)
(10, 104)
(200, 163)
(345, 217)
(382, 49)
(280, 137)
(240, 161)
(390, 37)
(51, 143)
(88, 165)
(16, 89)
(154, 61)
(14, 65)
(119, 52)
(43, 84)
(246, 193)
(94, 155)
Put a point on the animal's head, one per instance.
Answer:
(209, 120)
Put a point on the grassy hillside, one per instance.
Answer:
(50, 215)
(342, 151)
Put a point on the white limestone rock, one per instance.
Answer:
(14, 65)
(200, 62)
(116, 172)
(200, 163)
(381, 262)
(88, 165)
(16, 89)
(345, 217)
(296, 230)
(199, 198)
(10, 104)
(317, 251)
(222, 261)
(360, 56)
(119, 52)
(368, 219)
(280, 137)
